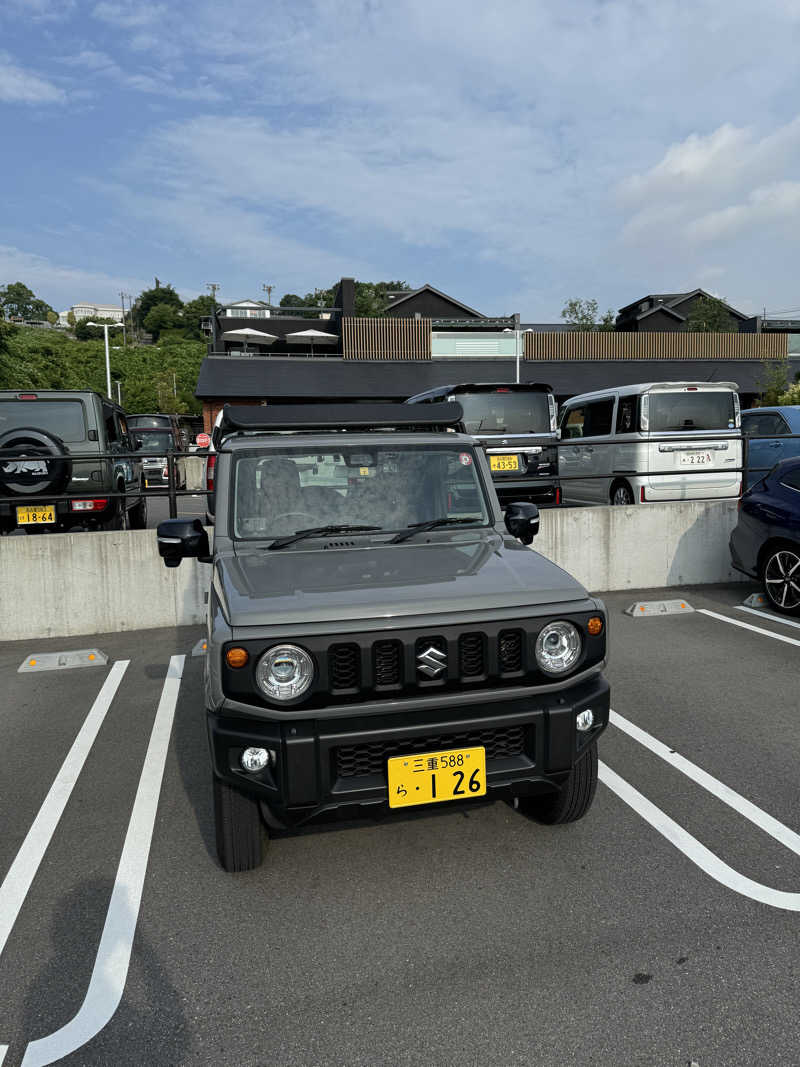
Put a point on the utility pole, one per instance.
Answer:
(213, 287)
(268, 290)
(124, 332)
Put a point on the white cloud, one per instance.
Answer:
(20, 86)
(129, 15)
(63, 285)
(154, 82)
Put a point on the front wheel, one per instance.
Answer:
(241, 835)
(574, 798)
(138, 514)
(781, 578)
(622, 495)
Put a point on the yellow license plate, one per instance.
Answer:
(431, 777)
(504, 463)
(33, 516)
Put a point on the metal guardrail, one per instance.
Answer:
(173, 492)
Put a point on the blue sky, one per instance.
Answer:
(514, 155)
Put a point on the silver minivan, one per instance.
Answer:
(622, 445)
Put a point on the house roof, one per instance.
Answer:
(670, 301)
(246, 302)
(287, 378)
(430, 289)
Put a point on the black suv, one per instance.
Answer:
(379, 636)
(50, 444)
(517, 425)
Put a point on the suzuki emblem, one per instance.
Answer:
(432, 661)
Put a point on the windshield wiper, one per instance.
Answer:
(421, 527)
(319, 531)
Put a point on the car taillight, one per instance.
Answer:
(211, 463)
(88, 505)
(558, 497)
(641, 495)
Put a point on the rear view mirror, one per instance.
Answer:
(180, 539)
(522, 521)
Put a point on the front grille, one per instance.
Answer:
(388, 663)
(344, 663)
(500, 743)
(510, 651)
(471, 655)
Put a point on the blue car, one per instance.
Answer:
(774, 424)
(765, 542)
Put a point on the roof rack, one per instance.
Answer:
(273, 417)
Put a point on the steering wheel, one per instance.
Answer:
(295, 514)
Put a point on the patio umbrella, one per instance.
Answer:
(246, 334)
(310, 337)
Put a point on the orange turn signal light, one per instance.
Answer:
(237, 657)
(595, 625)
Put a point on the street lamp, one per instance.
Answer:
(106, 327)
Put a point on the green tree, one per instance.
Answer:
(193, 311)
(85, 332)
(710, 315)
(52, 318)
(7, 331)
(161, 317)
(71, 318)
(791, 396)
(772, 381)
(370, 297)
(18, 300)
(147, 300)
(581, 315)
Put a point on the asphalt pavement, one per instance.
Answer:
(662, 929)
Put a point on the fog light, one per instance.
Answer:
(254, 760)
(237, 657)
(584, 720)
(595, 625)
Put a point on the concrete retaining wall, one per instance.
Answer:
(63, 585)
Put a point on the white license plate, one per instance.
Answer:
(696, 459)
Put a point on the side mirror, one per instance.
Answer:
(138, 443)
(182, 539)
(522, 522)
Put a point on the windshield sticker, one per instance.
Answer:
(465, 459)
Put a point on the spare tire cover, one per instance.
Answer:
(33, 461)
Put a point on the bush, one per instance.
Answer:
(791, 396)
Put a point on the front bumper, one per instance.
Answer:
(546, 492)
(340, 764)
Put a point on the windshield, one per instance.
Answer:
(142, 422)
(703, 410)
(156, 442)
(505, 412)
(64, 418)
(388, 486)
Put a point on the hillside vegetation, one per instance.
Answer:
(153, 378)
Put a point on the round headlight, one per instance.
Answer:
(284, 672)
(558, 647)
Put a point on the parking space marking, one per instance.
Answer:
(766, 615)
(17, 882)
(701, 856)
(748, 626)
(110, 971)
(712, 785)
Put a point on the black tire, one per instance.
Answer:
(780, 576)
(119, 517)
(622, 495)
(137, 516)
(31, 444)
(574, 798)
(241, 834)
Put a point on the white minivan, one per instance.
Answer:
(621, 445)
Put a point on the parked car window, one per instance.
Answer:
(626, 415)
(111, 427)
(65, 418)
(792, 479)
(700, 410)
(770, 424)
(509, 412)
(598, 418)
(573, 423)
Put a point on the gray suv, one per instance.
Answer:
(51, 441)
(379, 636)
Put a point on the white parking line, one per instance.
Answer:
(706, 860)
(110, 970)
(747, 626)
(766, 615)
(26, 863)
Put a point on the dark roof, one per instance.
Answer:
(546, 327)
(296, 379)
(669, 302)
(438, 292)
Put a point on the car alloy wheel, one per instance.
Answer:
(622, 495)
(782, 579)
